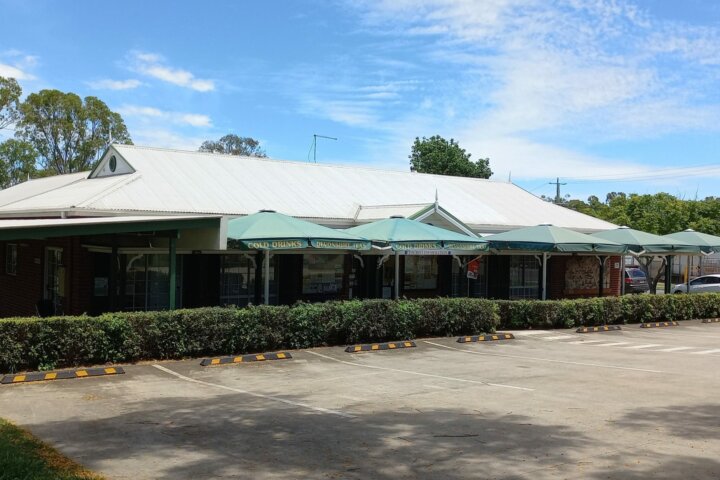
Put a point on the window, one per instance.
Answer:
(147, 281)
(524, 277)
(54, 279)
(323, 274)
(11, 259)
(421, 272)
(464, 286)
(237, 280)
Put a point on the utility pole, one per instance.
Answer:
(314, 147)
(558, 198)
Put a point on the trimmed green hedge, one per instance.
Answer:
(47, 343)
(521, 314)
(41, 344)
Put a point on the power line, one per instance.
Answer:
(558, 198)
(657, 174)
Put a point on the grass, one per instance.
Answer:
(24, 457)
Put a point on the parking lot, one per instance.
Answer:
(631, 404)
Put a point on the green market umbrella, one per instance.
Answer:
(706, 243)
(405, 235)
(639, 243)
(643, 243)
(269, 230)
(548, 238)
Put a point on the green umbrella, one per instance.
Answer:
(639, 242)
(548, 238)
(405, 235)
(707, 243)
(269, 230)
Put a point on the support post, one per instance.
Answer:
(668, 273)
(622, 275)
(544, 276)
(112, 281)
(172, 269)
(266, 277)
(397, 275)
(688, 271)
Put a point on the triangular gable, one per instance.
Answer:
(436, 210)
(111, 164)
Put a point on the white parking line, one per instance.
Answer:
(586, 342)
(520, 333)
(560, 337)
(421, 374)
(253, 394)
(707, 352)
(614, 344)
(647, 345)
(675, 349)
(582, 364)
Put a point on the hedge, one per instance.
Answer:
(47, 343)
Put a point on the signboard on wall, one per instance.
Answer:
(473, 269)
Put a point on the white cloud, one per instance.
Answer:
(164, 138)
(14, 72)
(109, 84)
(155, 66)
(150, 114)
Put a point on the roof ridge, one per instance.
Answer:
(304, 163)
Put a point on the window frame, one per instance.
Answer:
(11, 258)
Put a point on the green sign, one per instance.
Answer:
(416, 246)
(286, 244)
(340, 244)
(465, 246)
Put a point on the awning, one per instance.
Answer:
(269, 230)
(402, 234)
(27, 229)
(640, 243)
(706, 243)
(548, 238)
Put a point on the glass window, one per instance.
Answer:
(421, 272)
(524, 277)
(323, 274)
(237, 280)
(55, 279)
(11, 259)
(464, 285)
(147, 281)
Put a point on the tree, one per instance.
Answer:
(437, 155)
(69, 133)
(17, 162)
(232, 144)
(10, 92)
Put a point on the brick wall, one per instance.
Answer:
(20, 293)
(557, 287)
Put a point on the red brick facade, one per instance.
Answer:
(22, 292)
(558, 272)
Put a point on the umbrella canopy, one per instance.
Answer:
(403, 234)
(706, 243)
(269, 230)
(639, 242)
(548, 238)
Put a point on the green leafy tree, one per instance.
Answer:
(69, 133)
(10, 92)
(442, 157)
(17, 162)
(232, 144)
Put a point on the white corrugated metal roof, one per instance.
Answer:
(368, 213)
(171, 181)
(13, 223)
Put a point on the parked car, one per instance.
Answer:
(704, 284)
(636, 281)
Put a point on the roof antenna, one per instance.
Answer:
(314, 145)
(510, 176)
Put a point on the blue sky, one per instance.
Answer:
(607, 95)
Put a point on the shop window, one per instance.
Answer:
(470, 279)
(524, 277)
(323, 274)
(147, 282)
(237, 280)
(54, 295)
(421, 272)
(11, 258)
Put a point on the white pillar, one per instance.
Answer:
(266, 276)
(397, 275)
(544, 276)
(622, 275)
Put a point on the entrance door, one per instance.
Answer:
(54, 281)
